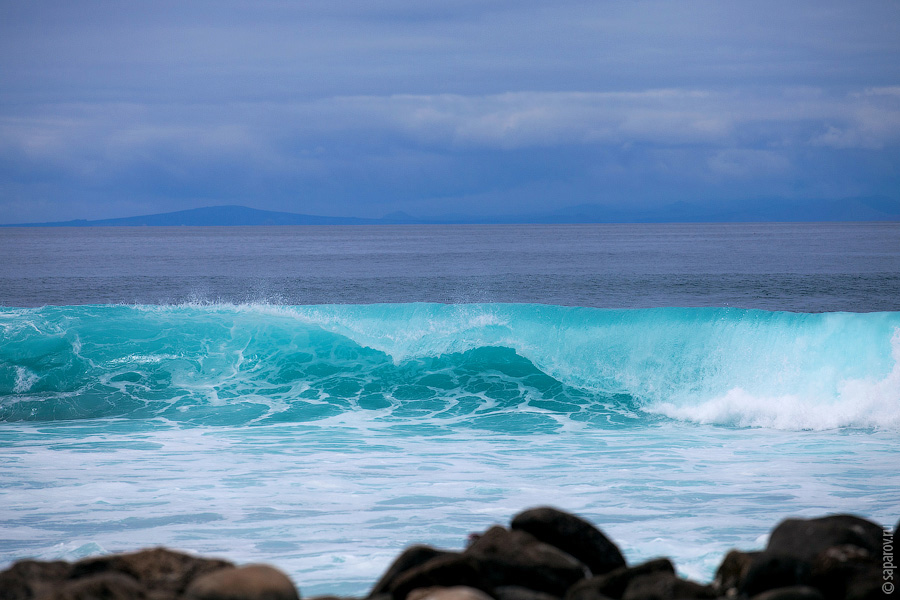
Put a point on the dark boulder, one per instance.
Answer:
(104, 586)
(770, 570)
(517, 592)
(512, 557)
(457, 592)
(614, 583)
(663, 585)
(732, 571)
(409, 558)
(573, 535)
(806, 538)
(847, 571)
(32, 578)
(452, 569)
(251, 582)
(836, 554)
(797, 592)
(157, 569)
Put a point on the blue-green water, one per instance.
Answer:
(502, 367)
(323, 438)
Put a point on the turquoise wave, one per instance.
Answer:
(503, 367)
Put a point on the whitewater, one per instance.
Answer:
(323, 438)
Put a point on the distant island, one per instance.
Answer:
(777, 210)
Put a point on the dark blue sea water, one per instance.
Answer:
(320, 397)
(800, 267)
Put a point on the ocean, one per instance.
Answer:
(318, 398)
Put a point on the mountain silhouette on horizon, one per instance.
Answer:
(766, 210)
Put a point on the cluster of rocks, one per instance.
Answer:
(156, 574)
(545, 554)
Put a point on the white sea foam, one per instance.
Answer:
(72, 551)
(333, 504)
(144, 359)
(24, 380)
(859, 403)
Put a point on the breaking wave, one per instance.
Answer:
(501, 367)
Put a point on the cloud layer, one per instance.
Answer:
(493, 107)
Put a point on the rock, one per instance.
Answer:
(805, 538)
(832, 554)
(797, 592)
(732, 571)
(517, 592)
(409, 558)
(542, 557)
(105, 586)
(457, 592)
(452, 569)
(769, 570)
(252, 582)
(31, 578)
(157, 569)
(512, 557)
(866, 587)
(846, 572)
(614, 583)
(663, 585)
(572, 535)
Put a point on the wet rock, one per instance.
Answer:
(573, 535)
(105, 586)
(769, 571)
(614, 583)
(31, 578)
(797, 592)
(517, 592)
(450, 570)
(732, 571)
(157, 569)
(806, 538)
(457, 592)
(663, 585)
(409, 558)
(513, 557)
(252, 582)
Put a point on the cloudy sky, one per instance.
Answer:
(365, 107)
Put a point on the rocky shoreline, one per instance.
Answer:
(544, 554)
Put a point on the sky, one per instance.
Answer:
(480, 107)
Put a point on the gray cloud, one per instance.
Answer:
(261, 132)
(362, 108)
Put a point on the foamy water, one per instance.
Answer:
(325, 439)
